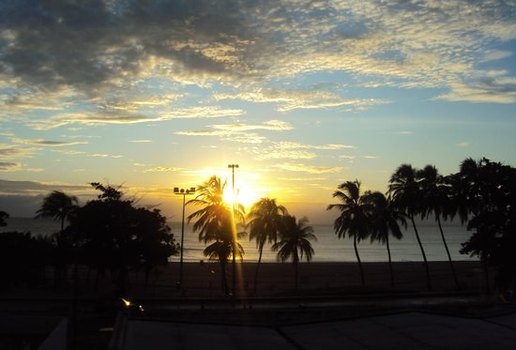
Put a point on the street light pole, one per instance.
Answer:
(233, 166)
(233, 280)
(184, 193)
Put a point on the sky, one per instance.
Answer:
(302, 95)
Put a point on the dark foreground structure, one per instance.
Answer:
(408, 322)
(328, 310)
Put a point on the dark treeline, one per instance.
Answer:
(112, 234)
(109, 233)
(481, 194)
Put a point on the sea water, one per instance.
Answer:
(327, 248)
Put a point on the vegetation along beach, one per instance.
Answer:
(171, 168)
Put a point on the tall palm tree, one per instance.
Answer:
(436, 200)
(216, 221)
(405, 193)
(294, 244)
(352, 221)
(59, 206)
(264, 223)
(384, 220)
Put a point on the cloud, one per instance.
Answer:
(140, 141)
(299, 167)
(105, 155)
(495, 55)
(9, 166)
(9, 187)
(68, 152)
(123, 62)
(291, 100)
(124, 117)
(285, 154)
(483, 90)
(12, 152)
(295, 150)
(329, 146)
(240, 132)
(161, 169)
(46, 143)
(273, 125)
(462, 144)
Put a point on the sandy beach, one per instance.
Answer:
(203, 279)
(275, 279)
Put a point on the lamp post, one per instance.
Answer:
(233, 280)
(184, 193)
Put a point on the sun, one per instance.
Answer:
(244, 195)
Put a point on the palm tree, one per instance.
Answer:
(435, 199)
(406, 196)
(384, 218)
(352, 221)
(294, 244)
(216, 221)
(59, 206)
(221, 250)
(264, 223)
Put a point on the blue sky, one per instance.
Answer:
(302, 95)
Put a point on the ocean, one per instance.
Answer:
(328, 247)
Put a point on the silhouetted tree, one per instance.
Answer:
(264, 223)
(384, 221)
(59, 206)
(216, 221)
(435, 198)
(491, 193)
(294, 243)
(116, 235)
(405, 194)
(352, 221)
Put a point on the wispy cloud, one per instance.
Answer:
(13, 152)
(46, 143)
(9, 166)
(105, 155)
(240, 132)
(161, 169)
(295, 150)
(123, 117)
(140, 141)
(304, 168)
(291, 100)
(10, 187)
(483, 90)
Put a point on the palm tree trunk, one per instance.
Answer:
(223, 277)
(296, 274)
(233, 278)
(260, 249)
(457, 286)
(486, 276)
(362, 279)
(428, 281)
(390, 260)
